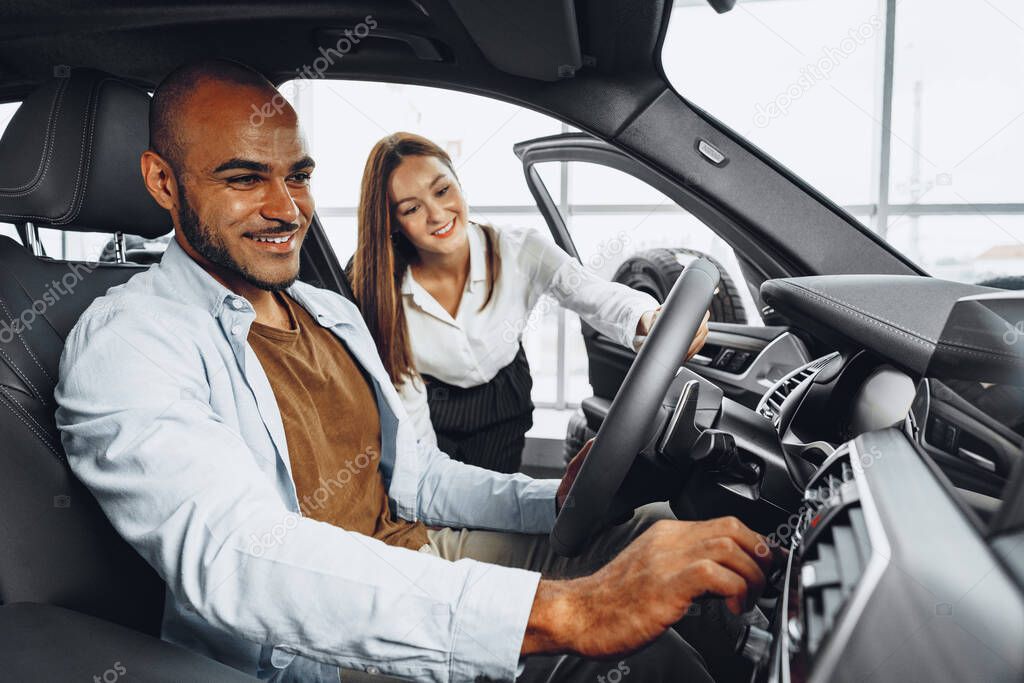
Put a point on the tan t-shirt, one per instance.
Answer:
(332, 427)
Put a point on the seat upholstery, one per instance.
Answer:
(68, 646)
(69, 159)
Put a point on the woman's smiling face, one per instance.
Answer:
(427, 201)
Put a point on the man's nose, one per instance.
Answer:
(278, 203)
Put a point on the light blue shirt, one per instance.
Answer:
(169, 419)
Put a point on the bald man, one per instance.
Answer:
(239, 430)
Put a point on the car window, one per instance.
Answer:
(100, 246)
(614, 218)
(343, 119)
(926, 158)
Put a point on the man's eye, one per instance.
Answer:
(301, 178)
(244, 180)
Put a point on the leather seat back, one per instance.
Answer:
(69, 159)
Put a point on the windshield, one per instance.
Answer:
(918, 138)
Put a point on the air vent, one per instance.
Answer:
(770, 405)
(835, 550)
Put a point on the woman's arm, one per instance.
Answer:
(613, 309)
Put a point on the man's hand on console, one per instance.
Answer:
(647, 588)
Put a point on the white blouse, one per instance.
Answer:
(469, 349)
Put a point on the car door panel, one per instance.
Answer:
(743, 360)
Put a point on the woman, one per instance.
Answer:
(447, 301)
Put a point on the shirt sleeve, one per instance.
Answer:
(184, 489)
(612, 308)
(413, 393)
(486, 499)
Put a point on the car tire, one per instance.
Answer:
(654, 271)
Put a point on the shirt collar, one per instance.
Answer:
(408, 283)
(477, 255)
(191, 281)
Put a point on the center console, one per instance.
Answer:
(889, 579)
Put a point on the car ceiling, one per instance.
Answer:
(619, 41)
(614, 88)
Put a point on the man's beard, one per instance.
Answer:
(211, 246)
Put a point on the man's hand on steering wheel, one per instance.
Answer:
(570, 474)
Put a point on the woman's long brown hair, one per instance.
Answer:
(384, 252)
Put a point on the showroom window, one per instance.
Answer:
(611, 217)
(907, 112)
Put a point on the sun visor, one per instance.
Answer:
(536, 39)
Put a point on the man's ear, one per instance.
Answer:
(159, 179)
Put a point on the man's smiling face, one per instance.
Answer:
(242, 183)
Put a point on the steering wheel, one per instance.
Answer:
(626, 429)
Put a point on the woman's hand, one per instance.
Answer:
(698, 339)
(643, 328)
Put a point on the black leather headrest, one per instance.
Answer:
(69, 158)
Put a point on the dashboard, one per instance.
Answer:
(906, 550)
(888, 580)
(889, 574)
(837, 397)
